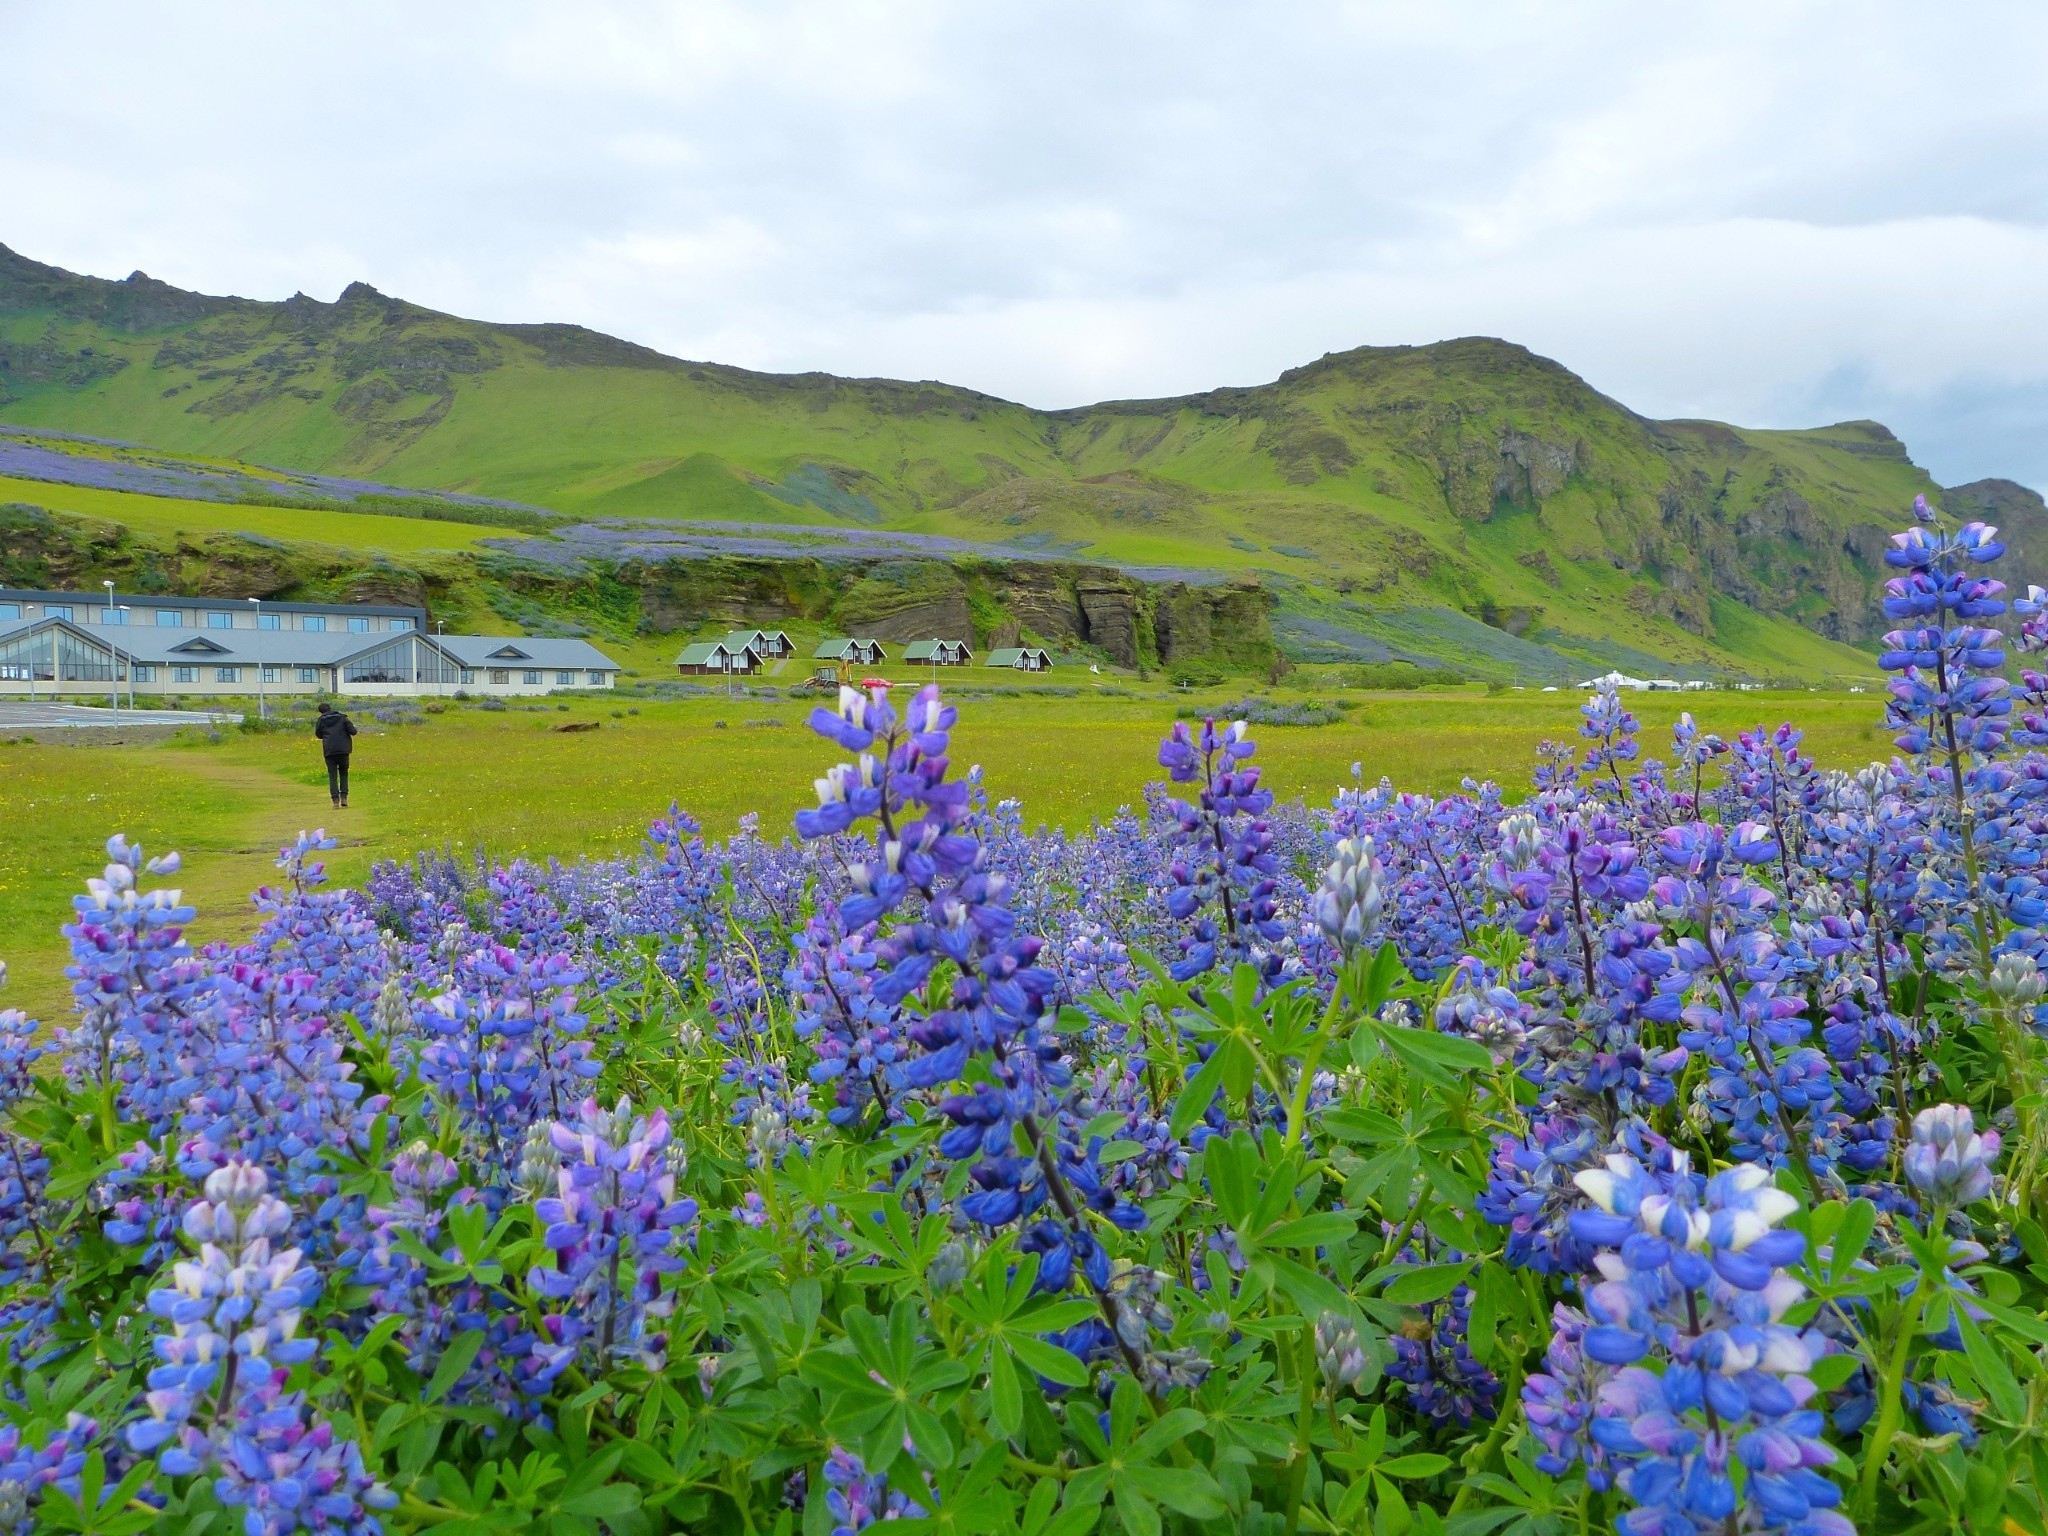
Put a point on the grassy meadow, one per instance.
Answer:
(507, 781)
(178, 517)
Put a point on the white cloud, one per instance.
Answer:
(1761, 212)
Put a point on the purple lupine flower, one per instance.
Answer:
(1226, 862)
(29, 1470)
(1612, 730)
(216, 1404)
(1433, 1358)
(1530, 1190)
(858, 1498)
(1694, 1277)
(1560, 1401)
(615, 1228)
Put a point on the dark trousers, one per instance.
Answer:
(337, 776)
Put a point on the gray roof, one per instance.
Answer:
(272, 647)
(475, 651)
(298, 648)
(98, 599)
(11, 629)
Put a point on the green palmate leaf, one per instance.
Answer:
(1421, 1464)
(1006, 1396)
(1139, 1515)
(1045, 1493)
(1199, 1094)
(1321, 1230)
(1187, 1490)
(1313, 1294)
(1050, 1361)
(459, 1356)
(1430, 1282)
(2027, 1325)
(1831, 1371)
(1445, 1054)
(607, 1502)
(1991, 1371)
(1858, 1222)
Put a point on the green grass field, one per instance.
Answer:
(162, 516)
(507, 782)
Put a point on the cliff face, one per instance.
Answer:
(1131, 622)
(53, 551)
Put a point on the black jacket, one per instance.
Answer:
(334, 730)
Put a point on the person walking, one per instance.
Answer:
(336, 732)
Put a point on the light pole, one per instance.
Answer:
(256, 649)
(113, 667)
(124, 609)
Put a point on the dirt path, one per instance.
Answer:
(221, 865)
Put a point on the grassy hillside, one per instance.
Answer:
(1388, 500)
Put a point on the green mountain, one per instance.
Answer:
(1467, 501)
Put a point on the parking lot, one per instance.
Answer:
(24, 715)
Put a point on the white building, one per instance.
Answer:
(67, 645)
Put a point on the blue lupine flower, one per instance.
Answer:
(1693, 1277)
(217, 1401)
(615, 1228)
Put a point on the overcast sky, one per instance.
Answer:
(1778, 214)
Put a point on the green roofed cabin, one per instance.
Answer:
(1021, 658)
(768, 644)
(862, 652)
(719, 658)
(938, 653)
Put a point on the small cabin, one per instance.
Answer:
(938, 653)
(860, 652)
(1021, 658)
(717, 658)
(768, 644)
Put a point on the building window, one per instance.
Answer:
(273, 674)
(315, 623)
(597, 679)
(57, 611)
(401, 623)
(10, 610)
(500, 675)
(165, 619)
(184, 674)
(359, 626)
(227, 674)
(113, 615)
(220, 620)
(387, 664)
(145, 673)
(309, 674)
(565, 679)
(468, 677)
(529, 678)
(270, 621)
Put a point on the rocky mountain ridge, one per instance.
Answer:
(1355, 493)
